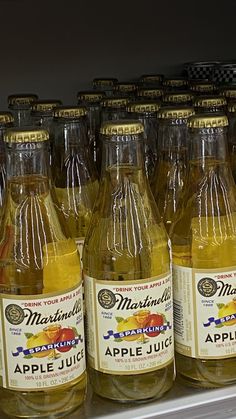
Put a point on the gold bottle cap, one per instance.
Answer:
(69, 112)
(211, 120)
(128, 127)
(45, 105)
(209, 101)
(178, 97)
(105, 81)
(152, 78)
(175, 82)
(203, 87)
(142, 107)
(6, 118)
(229, 92)
(21, 99)
(117, 102)
(91, 96)
(150, 92)
(232, 107)
(175, 112)
(125, 87)
(26, 135)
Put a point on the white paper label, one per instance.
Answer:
(205, 312)
(129, 324)
(43, 339)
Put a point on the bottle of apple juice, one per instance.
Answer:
(41, 330)
(203, 238)
(128, 283)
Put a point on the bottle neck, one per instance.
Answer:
(123, 155)
(27, 160)
(208, 146)
(71, 136)
(172, 139)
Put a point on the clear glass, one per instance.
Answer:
(74, 174)
(22, 115)
(204, 236)
(126, 241)
(31, 231)
(94, 122)
(113, 113)
(150, 123)
(232, 142)
(170, 171)
(3, 128)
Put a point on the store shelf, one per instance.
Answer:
(180, 403)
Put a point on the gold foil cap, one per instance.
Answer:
(104, 81)
(150, 92)
(152, 78)
(209, 101)
(211, 120)
(117, 102)
(21, 99)
(26, 135)
(175, 112)
(232, 107)
(142, 107)
(91, 96)
(175, 82)
(45, 105)
(69, 112)
(229, 92)
(6, 118)
(128, 127)
(178, 97)
(203, 87)
(125, 87)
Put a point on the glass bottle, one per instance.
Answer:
(170, 172)
(42, 116)
(178, 98)
(204, 260)
(151, 79)
(175, 83)
(203, 88)
(229, 92)
(126, 262)
(74, 175)
(6, 121)
(152, 93)
(114, 108)
(232, 137)
(106, 84)
(209, 104)
(125, 89)
(20, 107)
(41, 295)
(146, 113)
(42, 113)
(92, 101)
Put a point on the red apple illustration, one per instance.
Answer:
(154, 320)
(66, 334)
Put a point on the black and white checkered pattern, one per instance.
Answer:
(225, 74)
(200, 70)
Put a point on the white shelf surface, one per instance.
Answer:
(179, 403)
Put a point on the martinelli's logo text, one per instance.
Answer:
(17, 315)
(107, 299)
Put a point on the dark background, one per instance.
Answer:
(55, 48)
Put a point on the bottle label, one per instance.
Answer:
(42, 341)
(205, 312)
(130, 325)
